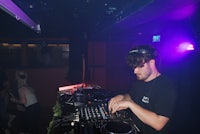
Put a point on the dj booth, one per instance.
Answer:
(85, 111)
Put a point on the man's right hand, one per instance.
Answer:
(113, 101)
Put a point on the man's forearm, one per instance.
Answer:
(127, 97)
(148, 117)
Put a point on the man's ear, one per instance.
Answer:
(152, 62)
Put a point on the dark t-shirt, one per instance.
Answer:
(158, 96)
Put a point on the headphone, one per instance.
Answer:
(144, 50)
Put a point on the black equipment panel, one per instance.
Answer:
(86, 112)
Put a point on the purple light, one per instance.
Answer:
(183, 12)
(177, 47)
(12, 9)
(186, 46)
(182, 9)
(190, 47)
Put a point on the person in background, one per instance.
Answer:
(27, 103)
(5, 117)
(153, 96)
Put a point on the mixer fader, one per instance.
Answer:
(96, 112)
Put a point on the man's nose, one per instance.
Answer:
(135, 70)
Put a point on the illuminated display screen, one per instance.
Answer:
(156, 38)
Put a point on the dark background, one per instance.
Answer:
(103, 31)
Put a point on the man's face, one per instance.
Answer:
(143, 72)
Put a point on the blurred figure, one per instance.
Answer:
(27, 104)
(5, 116)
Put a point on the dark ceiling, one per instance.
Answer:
(67, 18)
(64, 18)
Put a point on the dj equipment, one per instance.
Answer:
(86, 112)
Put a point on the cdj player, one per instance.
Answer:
(86, 112)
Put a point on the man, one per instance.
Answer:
(153, 96)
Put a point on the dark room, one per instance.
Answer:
(99, 66)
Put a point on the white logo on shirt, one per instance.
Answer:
(145, 99)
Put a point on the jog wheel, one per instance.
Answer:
(115, 127)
